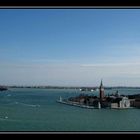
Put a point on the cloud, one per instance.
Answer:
(109, 64)
(47, 60)
(69, 74)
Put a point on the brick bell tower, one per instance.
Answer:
(101, 91)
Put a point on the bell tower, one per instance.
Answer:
(101, 90)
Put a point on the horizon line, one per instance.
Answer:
(65, 86)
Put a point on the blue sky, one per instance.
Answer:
(70, 47)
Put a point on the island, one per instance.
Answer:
(3, 88)
(113, 101)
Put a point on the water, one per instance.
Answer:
(30, 109)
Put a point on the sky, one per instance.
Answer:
(70, 47)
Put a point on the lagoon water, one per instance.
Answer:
(28, 109)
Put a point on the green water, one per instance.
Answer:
(37, 110)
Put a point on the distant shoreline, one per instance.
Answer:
(71, 87)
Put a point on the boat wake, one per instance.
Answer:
(30, 105)
(19, 103)
(6, 118)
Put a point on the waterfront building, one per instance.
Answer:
(114, 105)
(137, 103)
(124, 103)
(132, 102)
(81, 100)
(121, 103)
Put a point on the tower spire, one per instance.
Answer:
(101, 90)
(101, 85)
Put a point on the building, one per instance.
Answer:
(121, 103)
(101, 91)
(124, 103)
(114, 105)
(137, 103)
